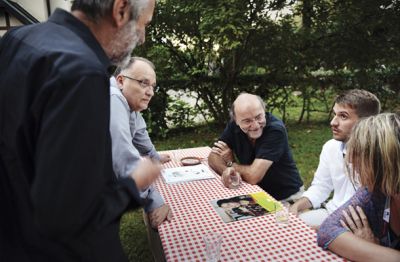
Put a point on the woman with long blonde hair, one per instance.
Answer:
(367, 227)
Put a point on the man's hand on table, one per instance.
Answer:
(294, 209)
(222, 149)
(146, 173)
(159, 215)
(302, 204)
(164, 158)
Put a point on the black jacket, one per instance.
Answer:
(60, 200)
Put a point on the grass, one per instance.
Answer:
(306, 141)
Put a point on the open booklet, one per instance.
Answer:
(245, 206)
(186, 174)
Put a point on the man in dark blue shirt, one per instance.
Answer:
(60, 199)
(259, 141)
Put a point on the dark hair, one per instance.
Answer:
(363, 102)
(228, 200)
(97, 9)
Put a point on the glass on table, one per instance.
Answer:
(282, 213)
(213, 241)
(234, 180)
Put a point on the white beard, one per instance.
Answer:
(123, 44)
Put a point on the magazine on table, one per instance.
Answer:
(245, 206)
(186, 174)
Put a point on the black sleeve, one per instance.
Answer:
(227, 135)
(75, 189)
(272, 145)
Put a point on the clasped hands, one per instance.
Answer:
(222, 149)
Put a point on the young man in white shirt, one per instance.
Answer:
(330, 176)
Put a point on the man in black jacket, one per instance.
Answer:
(59, 197)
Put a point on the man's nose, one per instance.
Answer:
(150, 91)
(334, 121)
(255, 124)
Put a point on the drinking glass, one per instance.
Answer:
(213, 241)
(235, 180)
(282, 213)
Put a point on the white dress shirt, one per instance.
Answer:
(331, 175)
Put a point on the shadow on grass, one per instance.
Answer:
(134, 237)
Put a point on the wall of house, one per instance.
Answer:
(3, 22)
(64, 4)
(37, 8)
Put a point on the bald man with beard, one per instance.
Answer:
(259, 142)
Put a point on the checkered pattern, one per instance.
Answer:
(255, 239)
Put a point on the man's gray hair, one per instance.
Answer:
(98, 9)
(232, 109)
(132, 60)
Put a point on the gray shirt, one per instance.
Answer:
(130, 142)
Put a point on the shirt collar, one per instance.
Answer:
(66, 19)
(343, 148)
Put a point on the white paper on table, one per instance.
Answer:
(186, 174)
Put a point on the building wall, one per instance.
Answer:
(37, 8)
(64, 4)
(12, 21)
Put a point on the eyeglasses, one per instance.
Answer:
(260, 119)
(144, 83)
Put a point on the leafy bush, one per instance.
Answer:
(180, 114)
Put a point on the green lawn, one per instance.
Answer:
(305, 140)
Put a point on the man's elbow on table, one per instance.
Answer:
(252, 180)
(254, 173)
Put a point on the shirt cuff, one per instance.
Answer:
(132, 189)
(152, 199)
(154, 155)
(314, 202)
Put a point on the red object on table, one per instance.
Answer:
(255, 239)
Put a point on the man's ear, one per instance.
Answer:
(119, 80)
(121, 12)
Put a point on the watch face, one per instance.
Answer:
(190, 161)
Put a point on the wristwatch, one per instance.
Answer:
(229, 164)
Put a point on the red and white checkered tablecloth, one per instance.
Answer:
(255, 239)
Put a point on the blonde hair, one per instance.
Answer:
(374, 153)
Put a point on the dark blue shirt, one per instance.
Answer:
(60, 195)
(282, 178)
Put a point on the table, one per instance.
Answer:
(255, 239)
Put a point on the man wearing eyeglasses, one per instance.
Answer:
(130, 93)
(259, 142)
